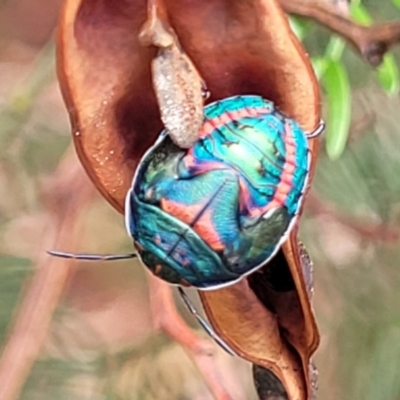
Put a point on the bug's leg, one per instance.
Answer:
(320, 128)
(205, 325)
(206, 94)
(91, 257)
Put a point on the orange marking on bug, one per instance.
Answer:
(206, 129)
(280, 199)
(289, 168)
(273, 204)
(291, 163)
(286, 181)
(185, 213)
(251, 112)
(285, 189)
(215, 123)
(224, 119)
(188, 213)
(238, 114)
(233, 115)
(205, 229)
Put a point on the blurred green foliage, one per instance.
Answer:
(13, 273)
(331, 70)
(357, 272)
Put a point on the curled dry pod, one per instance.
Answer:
(238, 47)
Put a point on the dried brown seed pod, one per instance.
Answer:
(238, 47)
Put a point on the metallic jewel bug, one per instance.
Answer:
(212, 214)
(209, 215)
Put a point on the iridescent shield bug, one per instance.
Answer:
(211, 214)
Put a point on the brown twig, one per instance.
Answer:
(372, 42)
(168, 320)
(70, 191)
(368, 230)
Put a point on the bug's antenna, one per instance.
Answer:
(91, 257)
(318, 130)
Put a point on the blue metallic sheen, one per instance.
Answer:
(209, 215)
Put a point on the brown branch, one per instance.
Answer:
(168, 320)
(70, 191)
(67, 193)
(368, 230)
(372, 42)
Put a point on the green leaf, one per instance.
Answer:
(300, 27)
(388, 75)
(320, 64)
(337, 87)
(334, 49)
(387, 72)
(396, 3)
(360, 14)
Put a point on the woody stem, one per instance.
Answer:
(168, 320)
(371, 42)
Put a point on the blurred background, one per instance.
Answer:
(102, 343)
